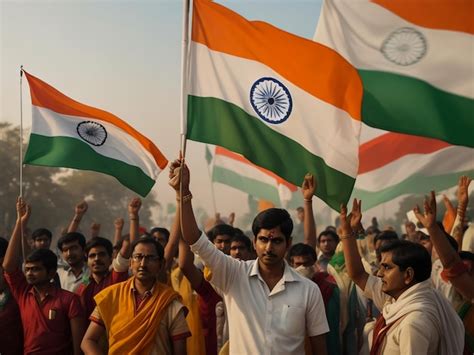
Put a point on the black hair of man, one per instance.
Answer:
(329, 233)
(386, 236)
(372, 230)
(161, 230)
(407, 254)
(150, 240)
(301, 249)
(272, 218)
(72, 237)
(99, 242)
(40, 232)
(466, 255)
(46, 257)
(220, 229)
(242, 238)
(3, 247)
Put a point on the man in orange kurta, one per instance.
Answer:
(141, 315)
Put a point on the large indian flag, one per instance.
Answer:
(394, 164)
(234, 170)
(66, 133)
(287, 104)
(415, 59)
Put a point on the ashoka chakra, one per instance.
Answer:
(92, 132)
(271, 100)
(404, 46)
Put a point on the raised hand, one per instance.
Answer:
(118, 223)
(308, 187)
(463, 186)
(134, 206)
(175, 176)
(356, 215)
(345, 221)
(231, 218)
(428, 218)
(23, 211)
(81, 208)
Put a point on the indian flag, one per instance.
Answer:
(395, 164)
(415, 59)
(66, 133)
(287, 104)
(234, 170)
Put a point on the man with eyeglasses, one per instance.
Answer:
(140, 315)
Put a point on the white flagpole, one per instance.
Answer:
(21, 131)
(184, 74)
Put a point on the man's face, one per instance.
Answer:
(327, 244)
(305, 260)
(271, 246)
(238, 250)
(98, 260)
(394, 281)
(36, 274)
(73, 253)
(427, 244)
(300, 215)
(160, 238)
(41, 242)
(145, 263)
(222, 242)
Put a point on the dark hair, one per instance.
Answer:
(272, 218)
(72, 237)
(3, 247)
(372, 230)
(301, 249)
(41, 231)
(150, 240)
(161, 230)
(422, 236)
(407, 254)
(45, 256)
(220, 229)
(240, 237)
(299, 209)
(328, 233)
(386, 236)
(466, 255)
(99, 242)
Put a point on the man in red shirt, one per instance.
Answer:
(53, 319)
(99, 258)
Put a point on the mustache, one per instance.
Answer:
(269, 254)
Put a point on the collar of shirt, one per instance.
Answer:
(140, 298)
(51, 292)
(287, 276)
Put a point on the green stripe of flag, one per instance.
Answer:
(415, 184)
(248, 185)
(218, 122)
(69, 152)
(405, 104)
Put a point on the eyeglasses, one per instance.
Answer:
(140, 257)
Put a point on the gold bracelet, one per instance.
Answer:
(347, 236)
(186, 198)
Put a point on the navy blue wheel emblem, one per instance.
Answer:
(92, 132)
(271, 100)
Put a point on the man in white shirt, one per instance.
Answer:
(71, 246)
(271, 308)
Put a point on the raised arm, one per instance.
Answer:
(309, 225)
(463, 199)
(118, 229)
(190, 229)
(12, 260)
(133, 216)
(173, 241)
(79, 212)
(349, 225)
(449, 257)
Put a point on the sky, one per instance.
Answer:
(124, 57)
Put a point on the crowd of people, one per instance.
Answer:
(217, 290)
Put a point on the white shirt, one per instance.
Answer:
(263, 321)
(69, 281)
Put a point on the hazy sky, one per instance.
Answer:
(123, 57)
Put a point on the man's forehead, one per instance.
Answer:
(387, 257)
(34, 264)
(148, 247)
(97, 249)
(271, 233)
(223, 236)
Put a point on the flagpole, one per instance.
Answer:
(20, 160)
(21, 131)
(184, 72)
(213, 196)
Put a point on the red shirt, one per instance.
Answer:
(208, 298)
(90, 288)
(11, 332)
(46, 326)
